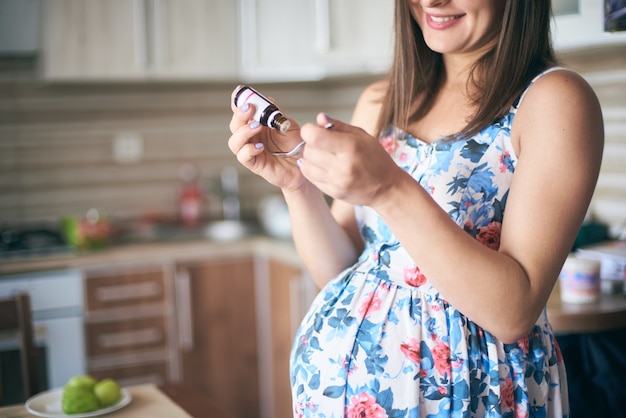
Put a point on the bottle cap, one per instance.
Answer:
(281, 123)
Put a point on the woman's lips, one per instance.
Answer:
(442, 22)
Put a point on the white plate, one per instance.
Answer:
(48, 404)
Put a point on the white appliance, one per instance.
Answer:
(57, 308)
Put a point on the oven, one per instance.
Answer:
(57, 309)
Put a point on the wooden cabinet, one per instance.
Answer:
(139, 39)
(218, 322)
(130, 323)
(290, 295)
(312, 39)
(243, 313)
(222, 320)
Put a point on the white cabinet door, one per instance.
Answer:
(581, 25)
(278, 40)
(194, 39)
(360, 36)
(139, 39)
(93, 39)
(283, 40)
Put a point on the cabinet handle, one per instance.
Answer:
(140, 34)
(248, 47)
(322, 26)
(184, 310)
(156, 34)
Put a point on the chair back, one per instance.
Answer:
(15, 314)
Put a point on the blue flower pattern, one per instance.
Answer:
(380, 341)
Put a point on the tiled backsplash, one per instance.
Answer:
(57, 144)
(57, 140)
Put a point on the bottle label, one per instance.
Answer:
(248, 95)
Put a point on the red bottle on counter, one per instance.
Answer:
(190, 196)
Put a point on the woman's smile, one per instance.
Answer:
(442, 21)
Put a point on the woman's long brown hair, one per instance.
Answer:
(523, 50)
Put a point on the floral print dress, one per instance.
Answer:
(380, 341)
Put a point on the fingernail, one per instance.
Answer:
(254, 124)
(258, 145)
(299, 162)
(329, 122)
(245, 107)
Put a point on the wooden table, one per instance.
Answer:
(180, 400)
(192, 401)
(568, 318)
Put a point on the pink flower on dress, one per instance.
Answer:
(370, 305)
(523, 344)
(411, 350)
(506, 162)
(365, 406)
(441, 357)
(521, 410)
(301, 407)
(490, 235)
(389, 143)
(506, 394)
(413, 276)
(346, 364)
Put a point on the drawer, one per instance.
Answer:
(122, 337)
(136, 374)
(124, 288)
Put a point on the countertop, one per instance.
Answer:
(165, 250)
(606, 314)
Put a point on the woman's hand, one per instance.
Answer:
(253, 143)
(346, 163)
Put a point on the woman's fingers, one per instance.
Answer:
(244, 135)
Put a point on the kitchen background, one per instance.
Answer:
(102, 102)
(82, 125)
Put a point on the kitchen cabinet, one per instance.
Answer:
(580, 24)
(218, 329)
(139, 39)
(242, 313)
(130, 323)
(216, 40)
(19, 27)
(311, 39)
(220, 316)
(289, 292)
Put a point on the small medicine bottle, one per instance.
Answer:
(266, 112)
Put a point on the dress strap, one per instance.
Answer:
(518, 102)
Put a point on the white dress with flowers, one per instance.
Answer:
(380, 341)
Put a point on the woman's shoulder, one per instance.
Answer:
(558, 85)
(562, 105)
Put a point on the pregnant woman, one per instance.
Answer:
(457, 191)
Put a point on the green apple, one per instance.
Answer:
(82, 380)
(108, 392)
(79, 400)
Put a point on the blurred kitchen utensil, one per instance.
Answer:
(274, 216)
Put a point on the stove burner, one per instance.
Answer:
(31, 242)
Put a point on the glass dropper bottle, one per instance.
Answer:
(266, 112)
